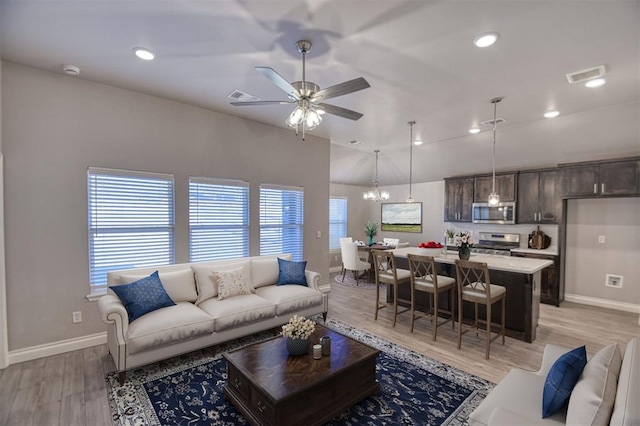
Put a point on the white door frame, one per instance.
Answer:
(4, 329)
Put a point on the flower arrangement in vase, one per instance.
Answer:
(298, 333)
(464, 241)
(371, 229)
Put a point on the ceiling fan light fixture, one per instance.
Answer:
(485, 40)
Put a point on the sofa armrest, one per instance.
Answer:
(550, 355)
(313, 279)
(113, 312)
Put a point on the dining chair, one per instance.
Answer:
(344, 240)
(386, 272)
(351, 261)
(474, 285)
(425, 279)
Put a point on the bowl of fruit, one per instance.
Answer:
(430, 248)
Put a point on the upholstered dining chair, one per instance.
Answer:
(391, 241)
(386, 272)
(344, 240)
(474, 285)
(351, 261)
(425, 279)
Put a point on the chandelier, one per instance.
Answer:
(376, 194)
(494, 198)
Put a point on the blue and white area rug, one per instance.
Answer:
(187, 390)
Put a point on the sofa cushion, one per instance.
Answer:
(233, 282)
(591, 402)
(626, 410)
(167, 326)
(143, 296)
(204, 276)
(265, 271)
(521, 393)
(239, 310)
(290, 272)
(290, 298)
(180, 285)
(561, 379)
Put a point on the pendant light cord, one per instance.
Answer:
(494, 101)
(411, 123)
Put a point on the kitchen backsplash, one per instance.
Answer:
(523, 230)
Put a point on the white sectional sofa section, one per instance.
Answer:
(199, 319)
(601, 396)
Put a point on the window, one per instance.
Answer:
(337, 221)
(131, 222)
(218, 219)
(281, 220)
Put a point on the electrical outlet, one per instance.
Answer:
(601, 239)
(319, 234)
(613, 281)
(76, 317)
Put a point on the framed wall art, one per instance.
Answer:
(402, 217)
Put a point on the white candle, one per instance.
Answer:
(317, 351)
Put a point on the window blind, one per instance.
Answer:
(281, 220)
(337, 221)
(218, 219)
(131, 222)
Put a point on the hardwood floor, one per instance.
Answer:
(69, 389)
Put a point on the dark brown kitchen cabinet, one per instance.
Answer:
(539, 199)
(551, 290)
(458, 197)
(505, 187)
(604, 178)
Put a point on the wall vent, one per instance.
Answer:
(613, 281)
(499, 120)
(239, 96)
(586, 75)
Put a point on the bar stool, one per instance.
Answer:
(424, 278)
(386, 272)
(474, 285)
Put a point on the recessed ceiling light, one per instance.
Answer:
(474, 130)
(71, 69)
(417, 142)
(596, 82)
(143, 53)
(485, 40)
(551, 114)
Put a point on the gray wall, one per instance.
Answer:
(588, 262)
(55, 126)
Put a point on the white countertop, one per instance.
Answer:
(519, 265)
(551, 251)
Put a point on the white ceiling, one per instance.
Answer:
(418, 57)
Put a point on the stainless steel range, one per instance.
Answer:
(496, 243)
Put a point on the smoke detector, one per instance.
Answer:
(586, 75)
(71, 69)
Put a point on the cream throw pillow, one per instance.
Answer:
(591, 402)
(231, 283)
(204, 276)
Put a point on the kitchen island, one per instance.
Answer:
(520, 276)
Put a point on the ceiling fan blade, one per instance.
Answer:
(261, 103)
(279, 81)
(341, 112)
(341, 89)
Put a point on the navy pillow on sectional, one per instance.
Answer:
(562, 378)
(290, 272)
(143, 296)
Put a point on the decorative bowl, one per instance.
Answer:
(430, 251)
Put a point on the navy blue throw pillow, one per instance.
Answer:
(562, 377)
(143, 296)
(290, 272)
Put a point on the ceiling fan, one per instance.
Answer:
(308, 97)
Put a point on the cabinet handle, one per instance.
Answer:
(261, 406)
(237, 383)
(602, 188)
(595, 188)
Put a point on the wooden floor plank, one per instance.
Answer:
(72, 410)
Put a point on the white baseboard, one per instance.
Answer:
(62, 346)
(335, 269)
(603, 303)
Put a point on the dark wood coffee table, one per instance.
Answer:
(269, 387)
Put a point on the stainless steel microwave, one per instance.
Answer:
(501, 214)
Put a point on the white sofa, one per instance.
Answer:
(517, 399)
(198, 320)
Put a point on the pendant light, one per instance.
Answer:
(376, 194)
(494, 198)
(411, 123)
